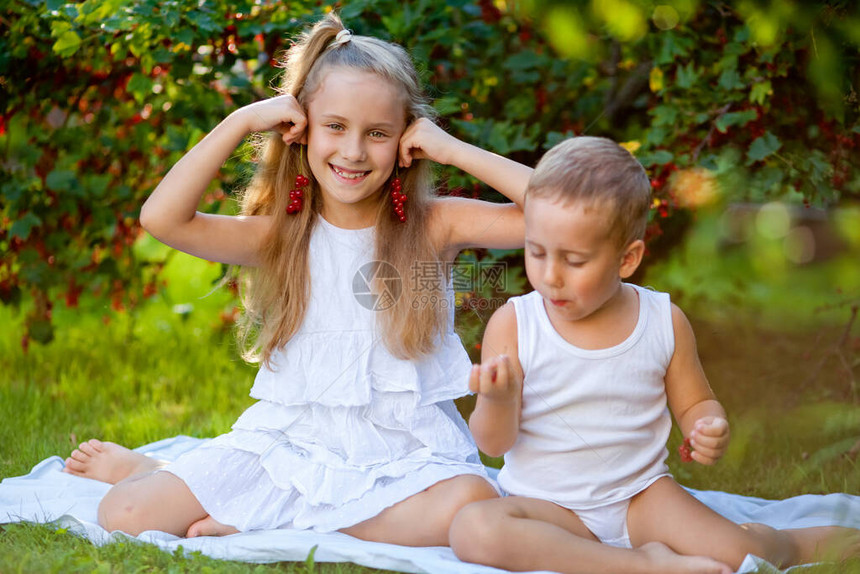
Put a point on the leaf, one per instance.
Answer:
(96, 185)
(673, 48)
(505, 137)
(447, 105)
(760, 92)
(60, 179)
(185, 36)
(665, 115)
(723, 122)
(41, 331)
(60, 27)
(655, 79)
(202, 20)
(67, 44)
(762, 147)
(499, 253)
(525, 60)
(309, 561)
(659, 157)
(632, 146)
(554, 138)
(730, 79)
(21, 228)
(140, 86)
(686, 76)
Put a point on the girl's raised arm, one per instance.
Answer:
(170, 214)
(425, 140)
(466, 223)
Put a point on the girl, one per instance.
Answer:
(355, 428)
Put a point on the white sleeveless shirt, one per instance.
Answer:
(594, 423)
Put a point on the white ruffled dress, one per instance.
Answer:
(342, 429)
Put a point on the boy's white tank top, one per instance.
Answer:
(594, 422)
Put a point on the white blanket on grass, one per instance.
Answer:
(47, 495)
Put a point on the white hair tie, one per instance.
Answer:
(342, 37)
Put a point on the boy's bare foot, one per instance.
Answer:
(108, 462)
(825, 543)
(663, 559)
(209, 527)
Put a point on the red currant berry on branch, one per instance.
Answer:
(686, 451)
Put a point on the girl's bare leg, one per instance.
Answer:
(108, 462)
(150, 501)
(424, 518)
(517, 533)
(667, 513)
(208, 526)
(140, 498)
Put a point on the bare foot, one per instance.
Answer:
(108, 462)
(209, 527)
(664, 559)
(825, 543)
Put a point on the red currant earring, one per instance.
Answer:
(297, 194)
(398, 198)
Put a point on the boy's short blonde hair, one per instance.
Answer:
(601, 173)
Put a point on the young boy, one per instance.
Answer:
(573, 390)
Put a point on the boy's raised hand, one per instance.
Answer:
(423, 139)
(709, 439)
(282, 114)
(494, 380)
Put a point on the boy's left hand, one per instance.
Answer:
(709, 439)
(423, 139)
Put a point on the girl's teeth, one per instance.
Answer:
(349, 175)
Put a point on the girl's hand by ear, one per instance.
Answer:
(425, 140)
(282, 114)
(494, 380)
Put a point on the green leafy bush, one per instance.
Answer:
(747, 102)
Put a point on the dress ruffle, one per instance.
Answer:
(328, 468)
(345, 370)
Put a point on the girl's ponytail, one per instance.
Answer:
(303, 54)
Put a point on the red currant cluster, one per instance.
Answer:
(398, 199)
(686, 451)
(297, 195)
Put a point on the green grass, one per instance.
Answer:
(38, 548)
(156, 373)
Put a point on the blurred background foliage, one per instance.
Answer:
(726, 103)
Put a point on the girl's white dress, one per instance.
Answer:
(342, 429)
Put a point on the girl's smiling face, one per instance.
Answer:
(355, 120)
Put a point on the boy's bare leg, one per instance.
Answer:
(517, 533)
(424, 518)
(665, 512)
(108, 462)
(833, 543)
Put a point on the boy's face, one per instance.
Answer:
(571, 257)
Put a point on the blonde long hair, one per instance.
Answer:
(275, 295)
